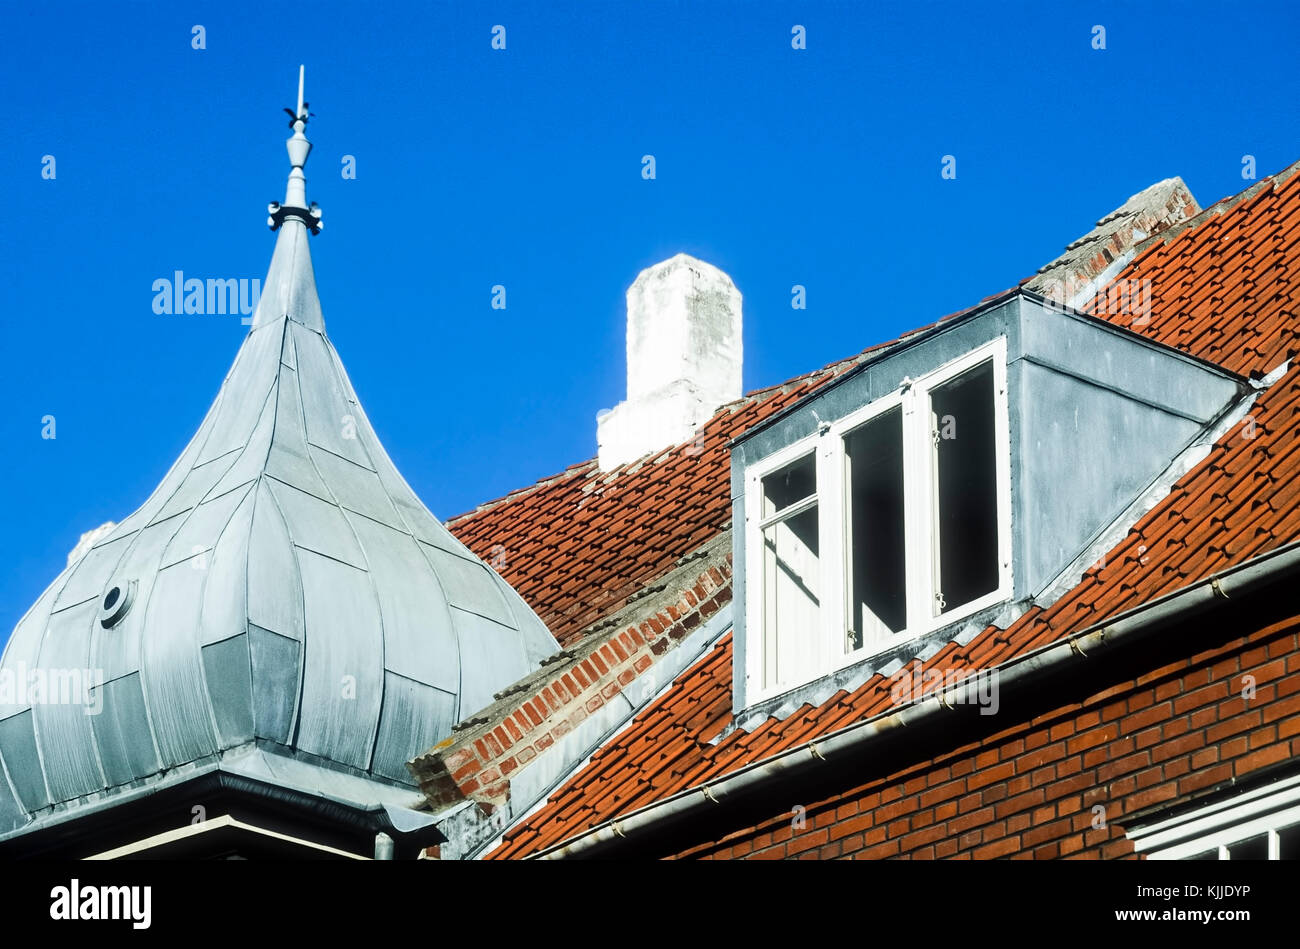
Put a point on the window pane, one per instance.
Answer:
(1205, 855)
(876, 563)
(1289, 842)
(966, 497)
(1256, 848)
(787, 485)
(790, 596)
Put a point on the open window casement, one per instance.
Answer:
(964, 479)
(887, 524)
(790, 545)
(875, 521)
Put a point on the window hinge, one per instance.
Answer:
(906, 384)
(940, 602)
(934, 437)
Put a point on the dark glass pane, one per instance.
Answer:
(1254, 848)
(966, 492)
(787, 485)
(876, 567)
(1289, 844)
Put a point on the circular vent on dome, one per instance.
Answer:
(116, 603)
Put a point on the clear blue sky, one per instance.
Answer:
(522, 167)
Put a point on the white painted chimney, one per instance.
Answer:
(683, 359)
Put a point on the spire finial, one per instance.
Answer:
(295, 196)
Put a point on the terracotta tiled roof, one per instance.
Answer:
(1223, 288)
(1224, 285)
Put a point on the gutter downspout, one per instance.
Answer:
(1236, 583)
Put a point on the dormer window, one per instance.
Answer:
(886, 524)
(875, 515)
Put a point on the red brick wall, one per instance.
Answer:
(479, 764)
(1029, 790)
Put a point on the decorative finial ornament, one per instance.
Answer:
(295, 197)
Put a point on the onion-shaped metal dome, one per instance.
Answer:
(283, 588)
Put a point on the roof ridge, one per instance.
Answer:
(1218, 209)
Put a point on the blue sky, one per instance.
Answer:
(522, 167)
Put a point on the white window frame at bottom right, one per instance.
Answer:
(1217, 828)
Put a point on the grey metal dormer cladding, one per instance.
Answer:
(283, 584)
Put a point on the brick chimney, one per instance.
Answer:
(683, 359)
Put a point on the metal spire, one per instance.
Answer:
(295, 206)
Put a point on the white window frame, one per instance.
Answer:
(755, 523)
(1218, 826)
(829, 652)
